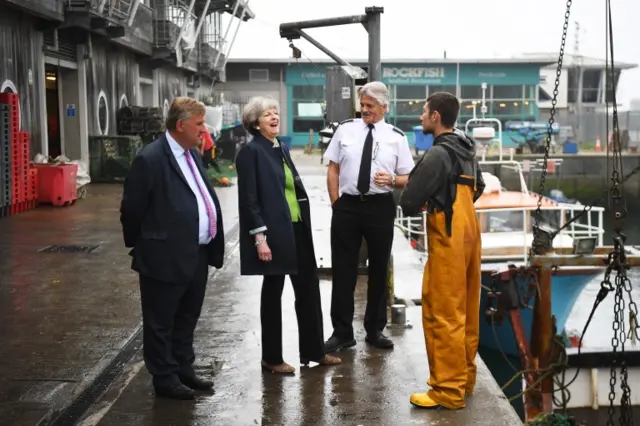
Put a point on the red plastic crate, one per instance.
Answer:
(32, 191)
(57, 184)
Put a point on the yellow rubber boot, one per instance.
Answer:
(423, 400)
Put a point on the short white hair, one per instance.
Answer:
(254, 109)
(378, 91)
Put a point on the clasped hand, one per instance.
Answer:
(382, 179)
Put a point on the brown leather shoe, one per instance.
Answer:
(283, 368)
(325, 360)
(330, 360)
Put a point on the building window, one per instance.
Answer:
(308, 108)
(501, 108)
(259, 75)
(411, 92)
(406, 106)
(449, 89)
(103, 114)
(530, 91)
(508, 92)
(472, 92)
(308, 92)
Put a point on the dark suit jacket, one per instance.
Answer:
(263, 205)
(159, 216)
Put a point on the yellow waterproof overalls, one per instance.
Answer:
(451, 296)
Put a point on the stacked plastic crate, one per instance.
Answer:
(5, 159)
(19, 183)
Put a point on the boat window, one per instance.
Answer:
(550, 218)
(502, 221)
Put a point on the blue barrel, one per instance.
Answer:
(286, 140)
(423, 142)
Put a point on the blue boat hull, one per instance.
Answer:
(565, 290)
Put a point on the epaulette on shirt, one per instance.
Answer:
(395, 129)
(349, 120)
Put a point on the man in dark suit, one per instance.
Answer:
(171, 219)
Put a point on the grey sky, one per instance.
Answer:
(464, 28)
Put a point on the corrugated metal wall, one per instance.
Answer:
(114, 71)
(171, 83)
(20, 51)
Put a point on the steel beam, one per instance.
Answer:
(101, 6)
(322, 48)
(233, 40)
(373, 28)
(132, 12)
(205, 10)
(371, 21)
(600, 260)
(224, 38)
(287, 30)
(187, 16)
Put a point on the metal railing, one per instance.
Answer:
(417, 225)
(117, 9)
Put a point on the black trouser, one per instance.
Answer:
(355, 217)
(306, 288)
(170, 313)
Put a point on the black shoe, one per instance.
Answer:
(196, 383)
(379, 340)
(175, 391)
(335, 344)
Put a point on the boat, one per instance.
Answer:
(506, 220)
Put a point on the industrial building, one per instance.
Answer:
(75, 62)
(516, 88)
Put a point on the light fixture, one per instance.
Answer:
(51, 77)
(584, 245)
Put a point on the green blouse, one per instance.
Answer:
(290, 194)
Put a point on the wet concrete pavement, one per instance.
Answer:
(65, 316)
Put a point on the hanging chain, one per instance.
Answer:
(552, 118)
(622, 282)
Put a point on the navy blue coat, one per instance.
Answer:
(159, 216)
(263, 206)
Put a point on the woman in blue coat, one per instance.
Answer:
(276, 238)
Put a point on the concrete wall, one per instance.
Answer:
(22, 69)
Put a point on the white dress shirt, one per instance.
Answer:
(179, 152)
(391, 153)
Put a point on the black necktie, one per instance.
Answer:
(364, 177)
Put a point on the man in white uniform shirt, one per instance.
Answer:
(367, 158)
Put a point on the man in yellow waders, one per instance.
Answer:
(447, 181)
